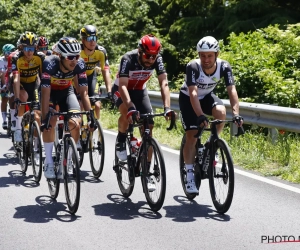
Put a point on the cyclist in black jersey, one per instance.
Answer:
(129, 90)
(196, 98)
(56, 85)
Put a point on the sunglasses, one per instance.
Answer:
(72, 58)
(32, 49)
(91, 38)
(149, 56)
(43, 48)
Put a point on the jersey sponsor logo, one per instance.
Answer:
(116, 96)
(193, 77)
(230, 78)
(124, 63)
(61, 82)
(86, 59)
(81, 64)
(82, 75)
(206, 86)
(45, 76)
(50, 65)
(140, 76)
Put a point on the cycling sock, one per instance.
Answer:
(12, 115)
(18, 122)
(4, 116)
(121, 137)
(48, 146)
(190, 172)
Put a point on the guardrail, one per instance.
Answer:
(263, 115)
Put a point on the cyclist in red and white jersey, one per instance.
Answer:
(129, 91)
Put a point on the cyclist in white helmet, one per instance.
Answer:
(196, 98)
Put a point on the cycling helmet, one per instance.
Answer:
(149, 44)
(88, 30)
(68, 46)
(43, 41)
(28, 39)
(208, 44)
(8, 48)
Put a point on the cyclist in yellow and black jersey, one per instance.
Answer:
(26, 66)
(95, 58)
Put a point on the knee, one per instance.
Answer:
(219, 112)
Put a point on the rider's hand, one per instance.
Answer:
(133, 115)
(91, 121)
(168, 113)
(44, 125)
(202, 119)
(17, 101)
(238, 120)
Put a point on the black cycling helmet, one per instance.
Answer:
(88, 30)
(28, 39)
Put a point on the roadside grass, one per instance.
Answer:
(253, 151)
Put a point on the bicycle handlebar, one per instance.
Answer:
(201, 129)
(151, 115)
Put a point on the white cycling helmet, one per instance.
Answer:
(208, 44)
(68, 46)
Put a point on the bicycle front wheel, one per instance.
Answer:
(24, 150)
(221, 177)
(72, 175)
(36, 151)
(125, 172)
(153, 174)
(53, 184)
(97, 150)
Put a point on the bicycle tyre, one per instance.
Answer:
(156, 174)
(221, 174)
(125, 172)
(37, 169)
(24, 154)
(97, 150)
(71, 177)
(183, 173)
(53, 184)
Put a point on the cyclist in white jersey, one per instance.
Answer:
(196, 98)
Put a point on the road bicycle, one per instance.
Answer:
(66, 164)
(145, 161)
(213, 161)
(30, 148)
(93, 142)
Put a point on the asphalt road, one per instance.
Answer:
(261, 212)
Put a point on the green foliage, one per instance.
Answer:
(266, 65)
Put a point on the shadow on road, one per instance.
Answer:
(189, 211)
(87, 176)
(124, 209)
(9, 159)
(44, 211)
(17, 178)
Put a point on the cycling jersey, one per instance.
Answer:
(3, 64)
(53, 77)
(195, 76)
(98, 58)
(28, 70)
(137, 74)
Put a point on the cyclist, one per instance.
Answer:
(7, 49)
(196, 98)
(129, 90)
(95, 58)
(26, 66)
(56, 85)
(42, 46)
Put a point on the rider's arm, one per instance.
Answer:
(234, 99)
(16, 84)
(123, 84)
(164, 89)
(2, 79)
(107, 79)
(83, 91)
(193, 91)
(45, 97)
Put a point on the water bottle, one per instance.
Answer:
(134, 145)
(200, 153)
(83, 133)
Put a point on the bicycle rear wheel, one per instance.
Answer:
(221, 177)
(97, 150)
(183, 173)
(125, 172)
(36, 150)
(154, 172)
(72, 175)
